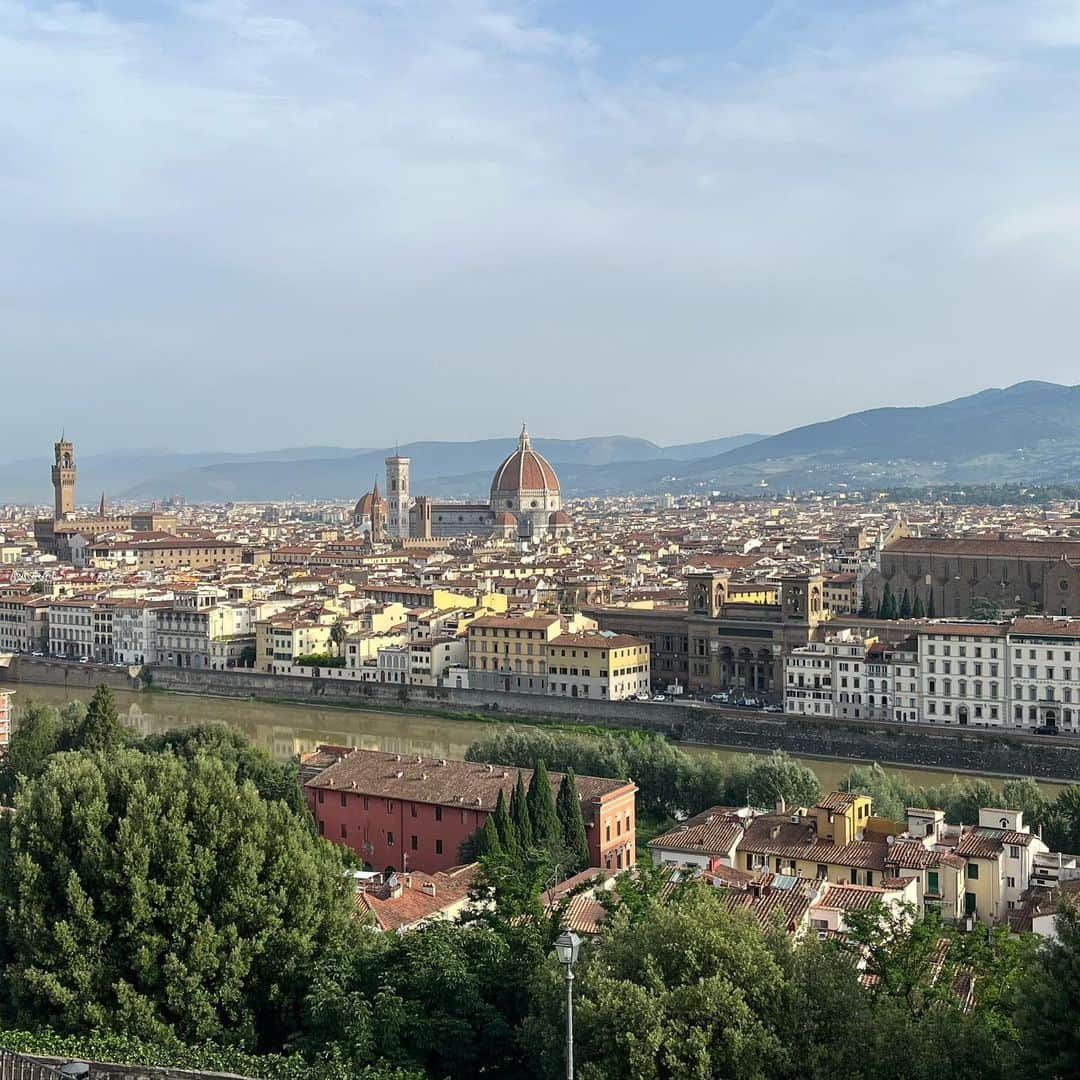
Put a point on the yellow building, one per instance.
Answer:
(599, 666)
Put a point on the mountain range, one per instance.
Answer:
(1027, 432)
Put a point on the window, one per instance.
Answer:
(438, 813)
(1010, 883)
(389, 839)
(344, 831)
(322, 796)
(438, 847)
(344, 801)
(933, 882)
(973, 871)
(1014, 851)
(413, 841)
(822, 871)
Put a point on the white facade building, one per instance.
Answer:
(963, 675)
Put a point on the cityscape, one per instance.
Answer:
(539, 540)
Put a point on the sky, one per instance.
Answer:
(248, 224)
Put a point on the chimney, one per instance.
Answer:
(429, 888)
(781, 805)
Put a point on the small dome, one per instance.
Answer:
(524, 470)
(506, 518)
(365, 503)
(559, 517)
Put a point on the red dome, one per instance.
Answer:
(506, 518)
(560, 517)
(524, 470)
(364, 504)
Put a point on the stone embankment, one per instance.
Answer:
(970, 749)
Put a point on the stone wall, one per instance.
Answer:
(975, 750)
(39, 669)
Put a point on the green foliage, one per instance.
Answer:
(521, 823)
(35, 739)
(905, 605)
(687, 991)
(128, 1050)
(961, 799)
(319, 660)
(1061, 824)
(443, 1001)
(272, 779)
(503, 824)
(99, 728)
(865, 611)
(1046, 1012)
(575, 842)
(984, 609)
(540, 800)
(918, 611)
(669, 780)
(487, 840)
(153, 895)
(931, 606)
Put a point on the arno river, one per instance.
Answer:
(285, 730)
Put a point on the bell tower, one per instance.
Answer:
(397, 496)
(63, 479)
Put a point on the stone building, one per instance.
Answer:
(1041, 575)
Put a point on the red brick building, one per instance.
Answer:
(413, 813)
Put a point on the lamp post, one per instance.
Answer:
(566, 948)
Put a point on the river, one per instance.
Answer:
(284, 730)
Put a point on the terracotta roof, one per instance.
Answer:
(985, 547)
(524, 470)
(444, 782)
(764, 900)
(712, 832)
(417, 903)
(849, 897)
(836, 801)
(1047, 627)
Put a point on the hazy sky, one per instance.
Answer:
(249, 223)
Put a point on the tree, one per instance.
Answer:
(487, 840)
(248, 656)
(443, 999)
(1061, 827)
(1024, 794)
(99, 728)
(503, 825)
(540, 800)
(572, 823)
(155, 896)
(905, 605)
(865, 611)
(687, 990)
(917, 609)
(35, 739)
(519, 815)
(338, 634)
(246, 761)
(931, 609)
(1046, 1004)
(889, 609)
(984, 609)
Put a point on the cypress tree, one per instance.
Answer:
(865, 611)
(572, 822)
(905, 605)
(917, 609)
(503, 825)
(99, 728)
(541, 802)
(487, 839)
(519, 815)
(931, 611)
(880, 610)
(888, 603)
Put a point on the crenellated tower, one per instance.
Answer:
(63, 479)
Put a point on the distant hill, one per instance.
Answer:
(1030, 431)
(1023, 433)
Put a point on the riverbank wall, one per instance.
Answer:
(967, 749)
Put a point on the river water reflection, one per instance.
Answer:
(284, 729)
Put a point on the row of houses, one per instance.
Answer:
(1023, 673)
(984, 871)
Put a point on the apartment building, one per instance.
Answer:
(963, 675)
(134, 630)
(1044, 666)
(71, 628)
(22, 621)
(826, 678)
(506, 652)
(7, 713)
(598, 665)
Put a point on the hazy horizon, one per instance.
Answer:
(238, 225)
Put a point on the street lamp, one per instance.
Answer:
(566, 948)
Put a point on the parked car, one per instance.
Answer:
(774, 708)
(1045, 729)
(660, 697)
(719, 699)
